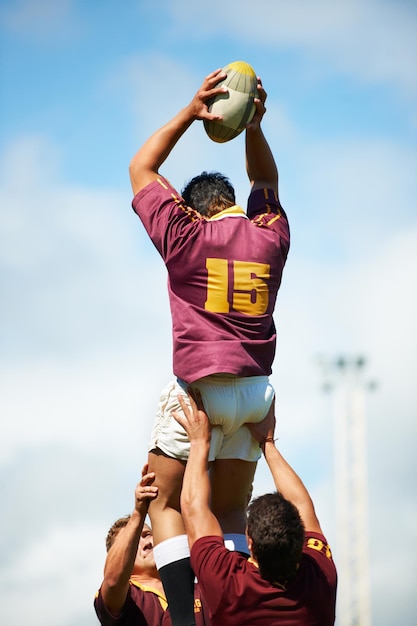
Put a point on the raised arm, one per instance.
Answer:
(260, 163)
(198, 519)
(287, 482)
(147, 161)
(121, 556)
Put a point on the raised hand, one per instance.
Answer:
(195, 420)
(265, 429)
(260, 107)
(198, 105)
(145, 490)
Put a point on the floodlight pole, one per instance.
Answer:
(343, 377)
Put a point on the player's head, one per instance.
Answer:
(276, 536)
(145, 560)
(115, 529)
(209, 193)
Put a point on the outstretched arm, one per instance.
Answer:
(121, 556)
(198, 519)
(260, 163)
(287, 482)
(145, 164)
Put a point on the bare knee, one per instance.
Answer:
(164, 511)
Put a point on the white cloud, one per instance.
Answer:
(373, 40)
(75, 262)
(60, 577)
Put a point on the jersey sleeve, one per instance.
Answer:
(264, 209)
(130, 612)
(317, 548)
(164, 214)
(140, 609)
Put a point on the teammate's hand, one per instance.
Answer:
(194, 419)
(266, 428)
(145, 490)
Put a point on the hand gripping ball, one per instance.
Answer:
(236, 106)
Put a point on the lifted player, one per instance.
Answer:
(224, 270)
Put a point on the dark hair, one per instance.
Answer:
(277, 533)
(209, 193)
(115, 529)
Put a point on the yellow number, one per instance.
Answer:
(250, 289)
(217, 286)
(317, 544)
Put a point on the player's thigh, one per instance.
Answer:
(231, 484)
(169, 473)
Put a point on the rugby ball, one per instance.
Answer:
(236, 105)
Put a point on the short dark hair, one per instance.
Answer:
(115, 529)
(209, 193)
(277, 533)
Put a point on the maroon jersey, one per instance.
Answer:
(235, 593)
(223, 278)
(145, 607)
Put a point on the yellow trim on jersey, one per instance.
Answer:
(162, 599)
(266, 191)
(162, 183)
(258, 220)
(317, 544)
(232, 210)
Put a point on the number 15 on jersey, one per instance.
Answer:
(237, 285)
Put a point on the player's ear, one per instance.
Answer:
(250, 542)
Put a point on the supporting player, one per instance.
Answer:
(291, 577)
(131, 593)
(224, 270)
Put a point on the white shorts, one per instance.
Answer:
(230, 402)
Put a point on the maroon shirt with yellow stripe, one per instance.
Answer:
(145, 606)
(235, 593)
(223, 278)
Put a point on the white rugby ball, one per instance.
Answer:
(236, 105)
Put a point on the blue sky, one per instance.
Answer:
(85, 326)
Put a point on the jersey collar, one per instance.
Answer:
(232, 211)
(162, 599)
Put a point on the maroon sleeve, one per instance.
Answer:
(316, 545)
(264, 201)
(322, 575)
(265, 210)
(130, 615)
(164, 214)
(140, 609)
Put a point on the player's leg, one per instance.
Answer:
(171, 551)
(232, 477)
(168, 451)
(164, 510)
(231, 490)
